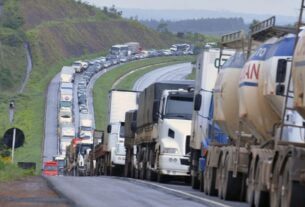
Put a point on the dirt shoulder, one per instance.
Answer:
(32, 191)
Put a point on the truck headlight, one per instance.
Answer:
(170, 150)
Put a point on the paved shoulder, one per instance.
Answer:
(110, 191)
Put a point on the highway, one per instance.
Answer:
(174, 72)
(116, 191)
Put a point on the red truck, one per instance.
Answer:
(50, 168)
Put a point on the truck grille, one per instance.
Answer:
(184, 161)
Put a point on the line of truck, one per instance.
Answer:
(237, 132)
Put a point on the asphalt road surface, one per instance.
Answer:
(50, 136)
(28, 66)
(173, 72)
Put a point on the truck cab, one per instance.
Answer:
(61, 162)
(116, 133)
(174, 131)
(67, 133)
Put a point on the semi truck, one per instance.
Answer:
(65, 116)
(134, 47)
(67, 74)
(75, 155)
(66, 134)
(110, 154)
(61, 162)
(207, 66)
(162, 131)
(260, 110)
(86, 126)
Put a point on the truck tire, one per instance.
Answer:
(210, 181)
(160, 178)
(201, 183)
(292, 192)
(194, 169)
(261, 198)
(250, 189)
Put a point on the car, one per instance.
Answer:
(83, 107)
(80, 93)
(107, 64)
(123, 59)
(82, 99)
(84, 110)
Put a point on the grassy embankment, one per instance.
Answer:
(57, 34)
(104, 84)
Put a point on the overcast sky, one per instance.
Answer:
(273, 7)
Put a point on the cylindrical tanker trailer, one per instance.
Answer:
(264, 160)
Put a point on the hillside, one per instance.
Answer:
(209, 26)
(61, 29)
(58, 32)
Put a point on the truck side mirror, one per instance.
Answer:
(197, 102)
(281, 70)
(156, 110)
(109, 129)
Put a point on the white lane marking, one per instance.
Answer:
(184, 193)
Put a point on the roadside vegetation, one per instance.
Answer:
(104, 84)
(10, 172)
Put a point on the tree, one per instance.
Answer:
(254, 22)
(162, 27)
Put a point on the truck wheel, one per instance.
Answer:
(292, 192)
(275, 193)
(194, 169)
(160, 178)
(211, 180)
(261, 198)
(201, 183)
(250, 189)
(148, 174)
(194, 182)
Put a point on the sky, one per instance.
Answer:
(274, 7)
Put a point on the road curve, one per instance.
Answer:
(29, 66)
(172, 72)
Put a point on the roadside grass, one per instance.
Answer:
(104, 84)
(192, 75)
(10, 172)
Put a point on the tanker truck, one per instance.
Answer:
(263, 161)
(162, 131)
(206, 73)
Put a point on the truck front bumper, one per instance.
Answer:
(174, 165)
(118, 160)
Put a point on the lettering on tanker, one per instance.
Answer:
(250, 72)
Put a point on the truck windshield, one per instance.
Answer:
(83, 148)
(61, 163)
(122, 130)
(50, 167)
(179, 107)
(83, 128)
